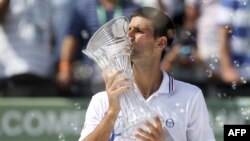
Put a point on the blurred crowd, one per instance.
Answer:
(41, 43)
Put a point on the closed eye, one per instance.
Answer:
(136, 29)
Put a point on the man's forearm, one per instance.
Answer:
(67, 53)
(103, 130)
(224, 50)
(191, 15)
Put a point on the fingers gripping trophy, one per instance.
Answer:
(109, 47)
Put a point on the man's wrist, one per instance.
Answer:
(65, 66)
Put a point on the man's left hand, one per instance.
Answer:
(156, 132)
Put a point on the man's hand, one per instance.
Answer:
(114, 90)
(157, 132)
(229, 75)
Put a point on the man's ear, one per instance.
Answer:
(162, 42)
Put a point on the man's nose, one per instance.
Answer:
(131, 34)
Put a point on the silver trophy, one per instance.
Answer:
(109, 47)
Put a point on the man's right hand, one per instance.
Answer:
(114, 89)
(230, 75)
(64, 78)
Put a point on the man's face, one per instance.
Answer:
(142, 36)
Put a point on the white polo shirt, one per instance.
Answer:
(180, 104)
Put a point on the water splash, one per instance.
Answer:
(212, 66)
(236, 63)
(77, 106)
(209, 73)
(61, 137)
(234, 85)
(219, 95)
(243, 80)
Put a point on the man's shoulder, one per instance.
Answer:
(100, 95)
(186, 92)
(185, 86)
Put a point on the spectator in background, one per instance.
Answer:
(61, 12)
(234, 33)
(88, 16)
(201, 16)
(198, 44)
(180, 55)
(26, 50)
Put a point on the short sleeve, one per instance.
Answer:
(94, 115)
(76, 25)
(199, 128)
(226, 12)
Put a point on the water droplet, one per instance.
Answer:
(243, 80)
(219, 95)
(181, 110)
(209, 73)
(217, 118)
(61, 137)
(188, 33)
(177, 104)
(236, 63)
(248, 111)
(234, 86)
(75, 128)
(85, 34)
(211, 66)
(212, 56)
(78, 107)
(244, 3)
(191, 58)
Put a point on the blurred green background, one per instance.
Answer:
(61, 119)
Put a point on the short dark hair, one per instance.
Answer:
(162, 24)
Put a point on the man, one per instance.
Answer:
(180, 104)
(234, 33)
(211, 41)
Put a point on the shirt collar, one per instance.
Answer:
(167, 84)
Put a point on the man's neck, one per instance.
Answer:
(148, 79)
